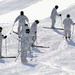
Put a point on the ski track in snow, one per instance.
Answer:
(61, 47)
(55, 66)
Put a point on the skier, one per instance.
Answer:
(26, 41)
(1, 37)
(53, 15)
(67, 26)
(33, 30)
(22, 21)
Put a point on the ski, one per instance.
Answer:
(15, 32)
(40, 46)
(53, 28)
(8, 57)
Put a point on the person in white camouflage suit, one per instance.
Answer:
(67, 26)
(54, 13)
(33, 30)
(22, 21)
(1, 38)
(26, 41)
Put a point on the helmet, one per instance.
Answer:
(56, 6)
(68, 15)
(21, 13)
(37, 21)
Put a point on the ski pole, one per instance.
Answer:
(6, 47)
(11, 29)
(17, 56)
(73, 32)
(62, 26)
(61, 20)
(36, 38)
(18, 45)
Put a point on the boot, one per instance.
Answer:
(23, 59)
(66, 38)
(53, 27)
(69, 37)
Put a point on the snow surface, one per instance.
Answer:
(58, 59)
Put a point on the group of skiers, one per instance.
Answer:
(67, 22)
(28, 35)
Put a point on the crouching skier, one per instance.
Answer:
(33, 30)
(26, 40)
(1, 38)
(67, 26)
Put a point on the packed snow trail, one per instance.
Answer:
(55, 66)
(58, 59)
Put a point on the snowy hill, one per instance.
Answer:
(58, 59)
(7, 6)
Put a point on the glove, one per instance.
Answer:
(5, 37)
(19, 37)
(59, 14)
(26, 24)
(35, 32)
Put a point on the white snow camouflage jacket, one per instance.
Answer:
(54, 14)
(21, 18)
(67, 23)
(33, 28)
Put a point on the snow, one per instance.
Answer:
(58, 59)
(41, 8)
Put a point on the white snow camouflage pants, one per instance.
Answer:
(67, 33)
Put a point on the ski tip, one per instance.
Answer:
(8, 57)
